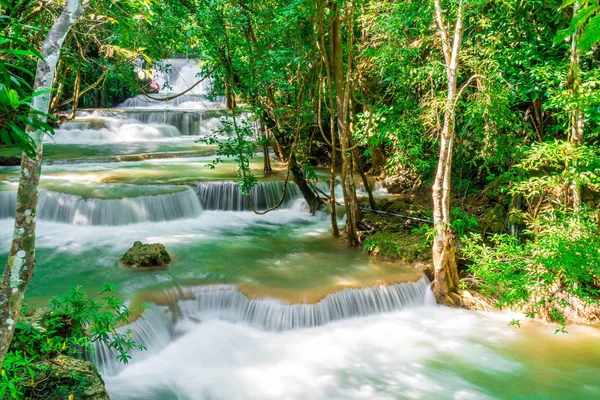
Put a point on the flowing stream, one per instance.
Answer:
(258, 307)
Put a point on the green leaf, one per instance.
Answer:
(590, 35)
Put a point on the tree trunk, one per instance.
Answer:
(445, 285)
(266, 157)
(303, 185)
(21, 257)
(577, 119)
(350, 201)
(574, 80)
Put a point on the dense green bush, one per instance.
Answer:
(45, 339)
(555, 276)
(553, 270)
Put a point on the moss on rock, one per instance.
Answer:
(146, 256)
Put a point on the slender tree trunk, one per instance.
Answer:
(267, 158)
(577, 119)
(446, 279)
(303, 185)
(363, 176)
(350, 201)
(574, 78)
(21, 257)
(329, 90)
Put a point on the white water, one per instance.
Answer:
(417, 353)
(223, 302)
(183, 73)
(8, 204)
(75, 239)
(187, 122)
(106, 129)
(227, 196)
(76, 210)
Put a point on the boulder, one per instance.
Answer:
(406, 182)
(146, 256)
(69, 370)
(495, 219)
(10, 161)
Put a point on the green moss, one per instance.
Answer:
(146, 256)
(29, 244)
(408, 247)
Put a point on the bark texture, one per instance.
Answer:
(342, 100)
(21, 257)
(445, 285)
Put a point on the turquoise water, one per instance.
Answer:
(251, 265)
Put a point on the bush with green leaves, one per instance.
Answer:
(16, 92)
(240, 145)
(42, 343)
(555, 276)
(553, 270)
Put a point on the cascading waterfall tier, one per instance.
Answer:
(96, 128)
(224, 302)
(154, 328)
(186, 101)
(73, 209)
(187, 122)
(8, 204)
(227, 196)
(176, 75)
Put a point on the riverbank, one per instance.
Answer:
(398, 231)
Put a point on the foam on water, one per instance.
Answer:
(76, 239)
(416, 353)
(8, 204)
(227, 196)
(106, 129)
(223, 302)
(72, 209)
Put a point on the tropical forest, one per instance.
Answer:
(300, 199)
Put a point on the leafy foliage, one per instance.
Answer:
(234, 140)
(555, 276)
(16, 114)
(74, 323)
(555, 272)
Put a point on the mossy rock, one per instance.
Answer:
(146, 256)
(80, 375)
(496, 191)
(10, 161)
(403, 246)
(495, 219)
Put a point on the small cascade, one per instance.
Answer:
(227, 196)
(76, 210)
(186, 101)
(187, 122)
(179, 74)
(154, 330)
(224, 302)
(107, 129)
(8, 204)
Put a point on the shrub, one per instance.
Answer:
(43, 341)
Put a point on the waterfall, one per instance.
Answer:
(8, 204)
(226, 303)
(153, 329)
(106, 129)
(73, 209)
(186, 101)
(227, 196)
(180, 74)
(187, 122)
